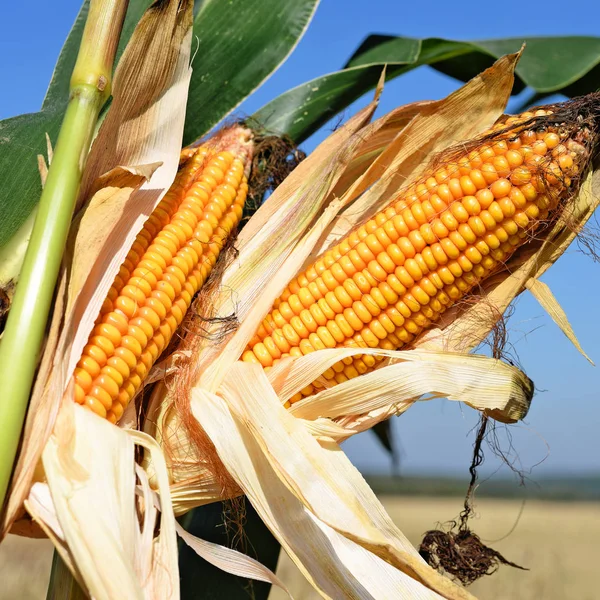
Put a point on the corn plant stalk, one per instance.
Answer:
(63, 586)
(25, 327)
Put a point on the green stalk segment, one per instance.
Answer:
(26, 324)
(63, 586)
(23, 336)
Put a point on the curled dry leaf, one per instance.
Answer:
(332, 561)
(92, 515)
(483, 383)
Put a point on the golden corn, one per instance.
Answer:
(167, 264)
(396, 274)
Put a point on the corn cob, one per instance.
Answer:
(167, 264)
(396, 274)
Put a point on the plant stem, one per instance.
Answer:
(23, 336)
(63, 586)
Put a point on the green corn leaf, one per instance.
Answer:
(567, 65)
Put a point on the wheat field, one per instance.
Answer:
(557, 541)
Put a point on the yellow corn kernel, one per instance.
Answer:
(167, 264)
(422, 253)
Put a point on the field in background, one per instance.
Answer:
(557, 488)
(24, 568)
(557, 541)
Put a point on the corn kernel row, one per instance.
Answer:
(167, 264)
(396, 274)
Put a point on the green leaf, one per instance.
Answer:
(22, 138)
(569, 65)
(237, 44)
(199, 579)
(240, 43)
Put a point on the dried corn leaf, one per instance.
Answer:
(333, 562)
(542, 293)
(39, 506)
(149, 83)
(434, 127)
(481, 382)
(202, 487)
(93, 516)
(331, 493)
(230, 561)
(93, 226)
(385, 129)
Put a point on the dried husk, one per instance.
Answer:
(229, 433)
(88, 509)
(231, 396)
(251, 283)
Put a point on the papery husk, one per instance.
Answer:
(282, 459)
(265, 262)
(149, 126)
(310, 496)
(332, 561)
(88, 509)
(481, 382)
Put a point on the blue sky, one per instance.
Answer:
(433, 437)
